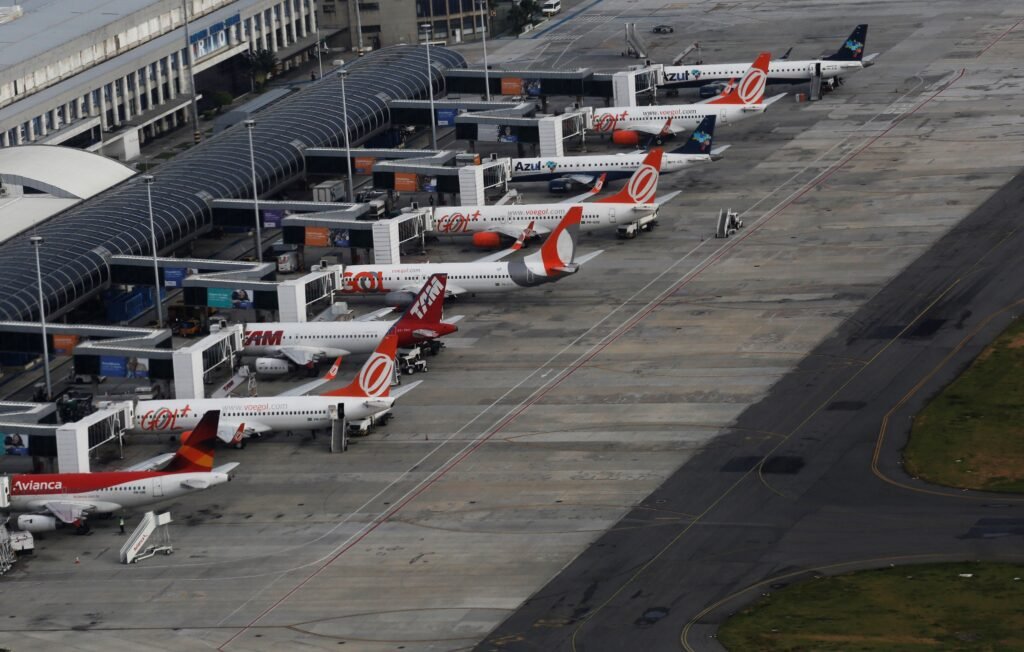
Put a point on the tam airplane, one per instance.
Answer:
(69, 498)
(280, 346)
(848, 58)
(369, 395)
(735, 103)
(556, 259)
(586, 169)
(633, 204)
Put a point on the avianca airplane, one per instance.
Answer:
(281, 345)
(586, 169)
(368, 395)
(848, 58)
(69, 498)
(488, 224)
(625, 123)
(555, 259)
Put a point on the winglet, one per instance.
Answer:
(374, 378)
(750, 89)
(524, 236)
(196, 451)
(333, 371)
(642, 187)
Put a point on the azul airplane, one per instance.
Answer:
(555, 259)
(743, 100)
(586, 169)
(280, 346)
(848, 58)
(635, 203)
(367, 396)
(69, 498)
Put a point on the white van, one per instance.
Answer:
(551, 7)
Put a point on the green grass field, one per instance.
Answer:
(902, 609)
(971, 435)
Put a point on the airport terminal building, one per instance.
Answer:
(108, 76)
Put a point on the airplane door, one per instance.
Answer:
(611, 215)
(721, 116)
(817, 69)
(158, 487)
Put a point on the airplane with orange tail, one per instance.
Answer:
(55, 499)
(556, 259)
(369, 395)
(745, 98)
(490, 225)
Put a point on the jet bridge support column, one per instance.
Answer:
(339, 429)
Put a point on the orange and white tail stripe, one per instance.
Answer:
(374, 378)
(559, 248)
(642, 187)
(750, 89)
(196, 451)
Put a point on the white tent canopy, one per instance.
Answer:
(62, 172)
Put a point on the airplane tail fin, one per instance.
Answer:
(642, 187)
(700, 141)
(428, 304)
(852, 48)
(559, 249)
(196, 451)
(374, 378)
(750, 89)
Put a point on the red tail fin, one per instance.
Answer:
(750, 89)
(196, 451)
(374, 379)
(428, 305)
(643, 185)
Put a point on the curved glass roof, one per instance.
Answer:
(117, 221)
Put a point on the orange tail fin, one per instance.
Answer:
(750, 89)
(196, 451)
(374, 379)
(643, 185)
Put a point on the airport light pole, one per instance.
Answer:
(428, 29)
(250, 125)
(487, 76)
(342, 73)
(319, 60)
(196, 134)
(37, 242)
(148, 180)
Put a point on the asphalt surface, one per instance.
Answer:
(809, 480)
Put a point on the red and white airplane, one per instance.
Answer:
(746, 98)
(369, 395)
(489, 224)
(555, 259)
(69, 498)
(280, 346)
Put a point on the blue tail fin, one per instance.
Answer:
(853, 48)
(700, 140)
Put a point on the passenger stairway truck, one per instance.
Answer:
(135, 549)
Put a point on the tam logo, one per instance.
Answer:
(36, 485)
(263, 338)
(426, 299)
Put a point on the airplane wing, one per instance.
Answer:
(306, 388)
(870, 59)
(68, 512)
(521, 239)
(232, 432)
(495, 257)
(580, 260)
(773, 99)
(454, 289)
(404, 389)
(303, 355)
(667, 198)
(376, 314)
(195, 483)
(668, 129)
(581, 178)
(716, 153)
(152, 463)
(598, 186)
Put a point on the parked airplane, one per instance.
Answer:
(848, 58)
(69, 498)
(586, 169)
(634, 204)
(555, 259)
(369, 395)
(625, 123)
(280, 346)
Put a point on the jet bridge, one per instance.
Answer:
(69, 443)
(382, 237)
(636, 82)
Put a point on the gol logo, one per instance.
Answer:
(643, 184)
(456, 222)
(375, 376)
(361, 282)
(606, 122)
(751, 88)
(162, 419)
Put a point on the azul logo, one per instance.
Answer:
(854, 46)
(526, 166)
(551, 165)
(426, 298)
(263, 338)
(683, 75)
(701, 137)
(163, 419)
(36, 485)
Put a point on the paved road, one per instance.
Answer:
(806, 482)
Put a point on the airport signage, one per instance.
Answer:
(364, 164)
(446, 117)
(174, 277)
(228, 298)
(272, 219)
(406, 182)
(215, 37)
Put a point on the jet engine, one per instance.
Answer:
(487, 240)
(36, 523)
(399, 299)
(625, 137)
(272, 366)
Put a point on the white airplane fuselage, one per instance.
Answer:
(471, 277)
(779, 72)
(464, 220)
(617, 166)
(109, 492)
(329, 339)
(684, 117)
